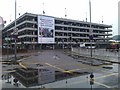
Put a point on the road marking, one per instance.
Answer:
(72, 70)
(58, 68)
(102, 84)
(106, 75)
(21, 64)
(78, 82)
(68, 71)
(92, 67)
(55, 67)
(32, 62)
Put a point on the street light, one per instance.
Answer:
(15, 34)
(90, 35)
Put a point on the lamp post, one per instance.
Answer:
(90, 30)
(15, 34)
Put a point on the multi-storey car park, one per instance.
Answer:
(42, 31)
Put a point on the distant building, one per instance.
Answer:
(1, 23)
(42, 31)
(1, 27)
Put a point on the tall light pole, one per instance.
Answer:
(15, 33)
(90, 32)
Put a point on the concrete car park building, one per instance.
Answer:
(42, 31)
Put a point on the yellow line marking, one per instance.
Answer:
(31, 62)
(72, 70)
(55, 67)
(67, 64)
(76, 69)
(21, 64)
(68, 71)
(84, 68)
(102, 84)
(58, 68)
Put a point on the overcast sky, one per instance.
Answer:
(75, 9)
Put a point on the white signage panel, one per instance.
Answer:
(46, 31)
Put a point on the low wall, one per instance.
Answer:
(11, 51)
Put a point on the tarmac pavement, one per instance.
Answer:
(61, 61)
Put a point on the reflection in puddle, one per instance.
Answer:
(31, 77)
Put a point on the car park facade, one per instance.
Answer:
(40, 31)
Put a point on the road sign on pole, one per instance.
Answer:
(91, 81)
(91, 75)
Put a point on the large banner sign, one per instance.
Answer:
(46, 32)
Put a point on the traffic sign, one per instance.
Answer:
(91, 81)
(91, 75)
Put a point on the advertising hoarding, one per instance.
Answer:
(46, 31)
